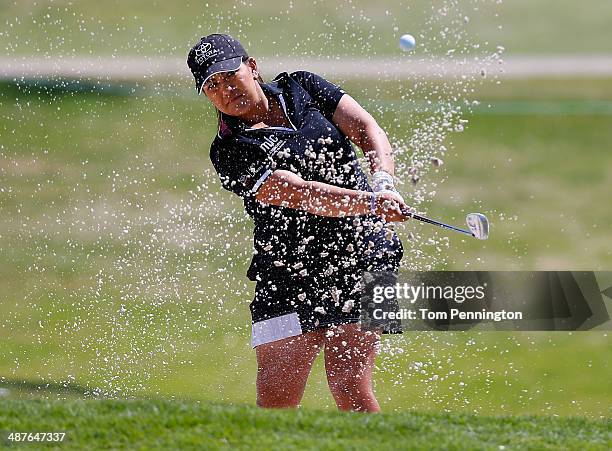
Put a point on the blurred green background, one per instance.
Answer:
(343, 27)
(122, 260)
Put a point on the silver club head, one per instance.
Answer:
(478, 225)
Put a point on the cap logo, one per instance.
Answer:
(204, 52)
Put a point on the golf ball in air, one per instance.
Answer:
(407, 42)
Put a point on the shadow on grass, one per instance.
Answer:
(59, 86)
(18, 388)
(38, 389)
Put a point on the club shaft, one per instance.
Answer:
(437, 223)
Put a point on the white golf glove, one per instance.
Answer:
(382, 182)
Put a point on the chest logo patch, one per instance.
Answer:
(272, 144)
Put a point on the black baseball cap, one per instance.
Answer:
(213, 54)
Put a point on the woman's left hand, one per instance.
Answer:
(390, 206)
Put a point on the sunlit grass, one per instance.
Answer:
(71, 162)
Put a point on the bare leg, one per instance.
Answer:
(349, 360)
(283, 367)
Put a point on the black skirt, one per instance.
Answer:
(290, 305)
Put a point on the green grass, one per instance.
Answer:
(267, 27)
(180, 425)
(88, 184)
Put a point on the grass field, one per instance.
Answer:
(180, 425)
(346, 27)
(122, 261)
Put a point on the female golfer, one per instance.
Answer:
(285, 148)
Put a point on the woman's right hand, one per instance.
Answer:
(390, 207)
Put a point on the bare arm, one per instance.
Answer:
(362, 129)
(286, 189)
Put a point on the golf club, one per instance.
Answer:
(477, 223)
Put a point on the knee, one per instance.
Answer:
(349, 385)
(277, 399)
(277, 393)
(354, 397)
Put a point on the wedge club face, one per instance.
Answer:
(478, 225)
